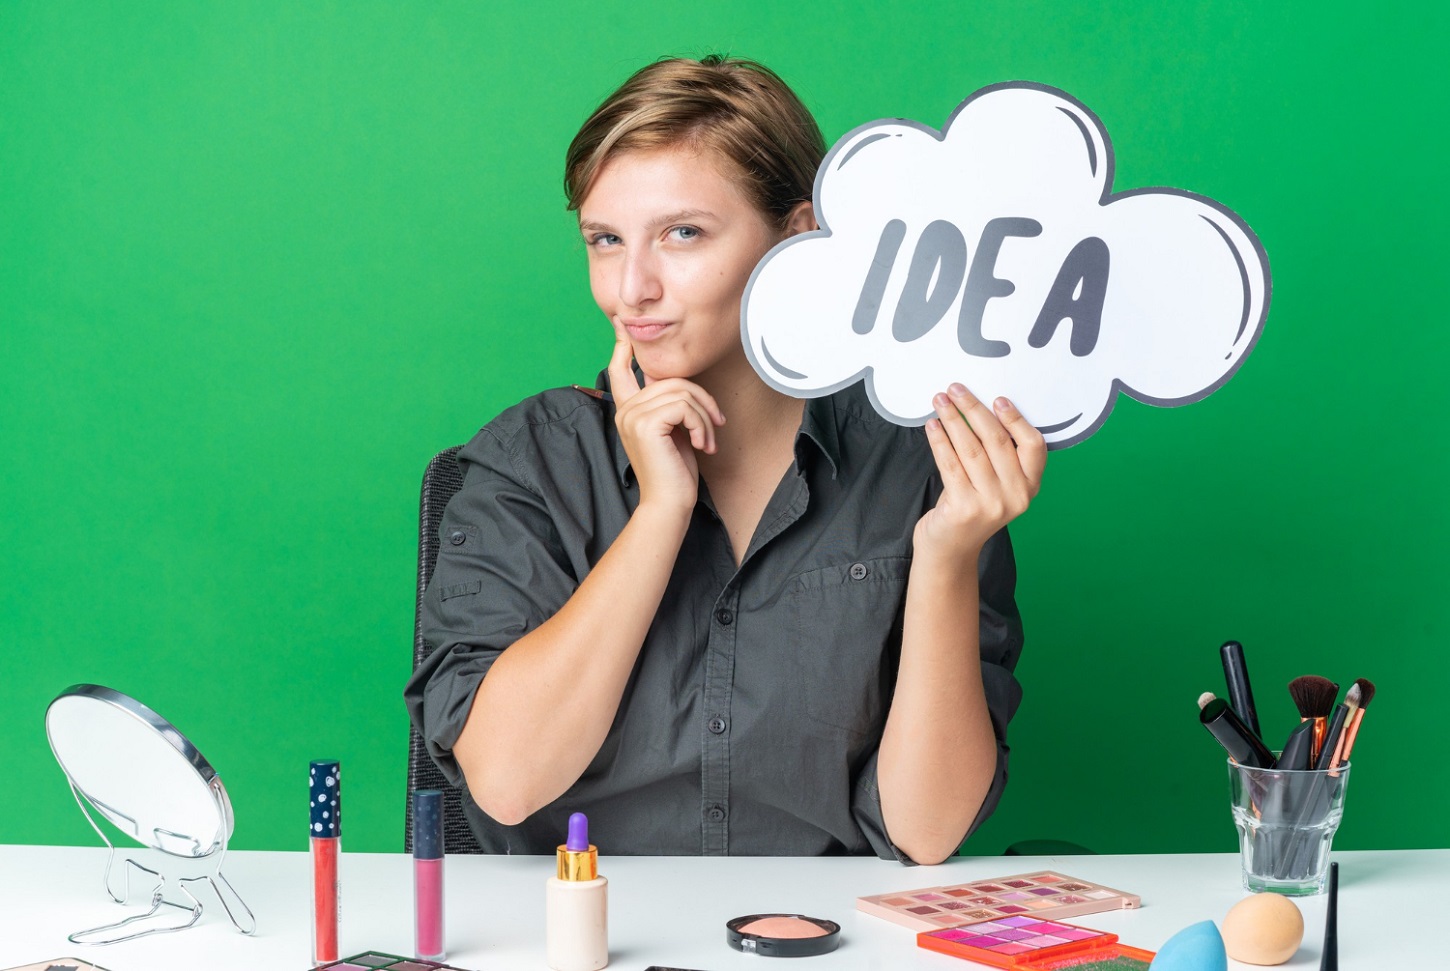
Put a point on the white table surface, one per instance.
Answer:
(671, 911)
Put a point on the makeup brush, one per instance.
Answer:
(1329, 955)
(1240, 693)
(1314, 697)
(1295, 756)
(1224, 724)
(1365, 687)
(1354, 701)
(1334, 735)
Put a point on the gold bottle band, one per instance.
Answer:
(578, 864)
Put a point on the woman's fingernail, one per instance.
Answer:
(1002, 404)
(939, 401)
(958, 389)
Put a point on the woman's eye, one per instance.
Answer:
(685, 232)
(603, 239)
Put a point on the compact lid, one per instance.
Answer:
(783, 935)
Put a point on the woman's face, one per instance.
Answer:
(672, 242)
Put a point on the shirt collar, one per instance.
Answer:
(621, 458)
(819, 426)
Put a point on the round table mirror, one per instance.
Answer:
(138, 771)
(134, 769)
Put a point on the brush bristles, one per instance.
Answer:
(1351, 697)
(1204, 699)
(1366, 691)
(1313, 696)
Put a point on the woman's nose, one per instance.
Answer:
(640, 284)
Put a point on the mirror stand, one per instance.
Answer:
(161, 917)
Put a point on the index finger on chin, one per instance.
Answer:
(621, 373)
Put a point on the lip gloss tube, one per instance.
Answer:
(325, 784)
(428, 874)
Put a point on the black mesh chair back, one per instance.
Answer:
(441, 479)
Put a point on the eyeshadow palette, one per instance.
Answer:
(1041, 895)
(1030, 942)
(378, 961)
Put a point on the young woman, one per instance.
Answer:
(717, 619)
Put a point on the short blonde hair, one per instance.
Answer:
(738, 109)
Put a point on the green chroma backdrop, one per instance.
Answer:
(259, 260)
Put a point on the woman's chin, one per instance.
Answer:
(659, 367)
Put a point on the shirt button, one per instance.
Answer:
(859, 571)
(457, 537)
(717, 725)
(716, 813)
(725, 617)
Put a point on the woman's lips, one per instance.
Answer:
(645, 328)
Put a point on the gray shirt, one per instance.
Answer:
(751, 721)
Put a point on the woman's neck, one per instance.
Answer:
(760, 423)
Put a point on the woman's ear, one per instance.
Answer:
(801, 219)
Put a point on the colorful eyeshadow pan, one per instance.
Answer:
(1037, 895)
(378, 961)
(1025, 942)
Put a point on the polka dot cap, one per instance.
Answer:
(324, 779)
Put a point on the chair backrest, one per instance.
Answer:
(441, 480)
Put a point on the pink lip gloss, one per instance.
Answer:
(428, 874)
(325, 785)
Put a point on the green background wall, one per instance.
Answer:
(259, 260)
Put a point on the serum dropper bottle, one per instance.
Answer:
(576, 907)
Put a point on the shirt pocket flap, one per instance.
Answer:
(460, 589)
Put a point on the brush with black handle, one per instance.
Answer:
(1240, 692)
(1299, 860)
(1279, 809)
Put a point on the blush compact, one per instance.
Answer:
(783, 935)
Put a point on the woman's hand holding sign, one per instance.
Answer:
(991, 466)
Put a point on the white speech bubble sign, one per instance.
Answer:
(995, 253)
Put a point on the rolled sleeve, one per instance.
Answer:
(501, 572)
(866, 811)
(1001, 646)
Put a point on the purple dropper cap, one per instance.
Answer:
(578, 833)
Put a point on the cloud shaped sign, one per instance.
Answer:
(995, 253)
